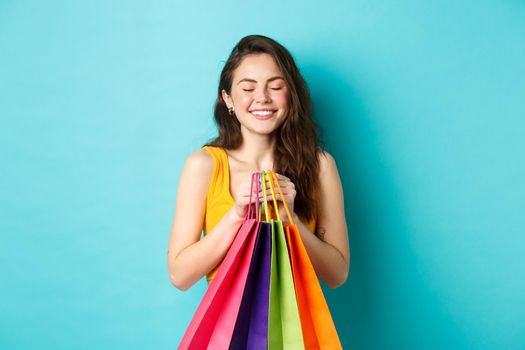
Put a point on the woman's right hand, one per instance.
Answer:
(242, 196)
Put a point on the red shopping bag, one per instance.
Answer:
(213, 323)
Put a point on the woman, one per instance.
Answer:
(264, 116)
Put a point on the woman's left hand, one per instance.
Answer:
(288, 189)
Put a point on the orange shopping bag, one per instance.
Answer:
(318, 328)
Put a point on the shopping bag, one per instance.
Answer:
(251, 328)
(284, 329)
(213, 323)
(318, 328)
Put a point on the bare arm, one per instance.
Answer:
(189, 257)
(329, 250)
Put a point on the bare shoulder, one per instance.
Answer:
(199, 162)
(326, 163)
(197, 171)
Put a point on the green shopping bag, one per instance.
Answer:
(284, 324)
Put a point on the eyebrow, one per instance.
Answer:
(254, 81)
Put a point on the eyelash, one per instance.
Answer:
(249, 90)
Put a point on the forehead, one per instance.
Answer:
(259, 67)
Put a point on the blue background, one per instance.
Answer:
(422, 103)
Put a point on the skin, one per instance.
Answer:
(257, 84)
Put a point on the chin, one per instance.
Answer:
(266, 127)
(264, 132)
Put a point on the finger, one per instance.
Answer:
(275, 186)
(278, 197)
(282, 177)
(284, 184)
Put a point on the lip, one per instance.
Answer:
(263, 117)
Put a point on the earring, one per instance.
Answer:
(230, 111)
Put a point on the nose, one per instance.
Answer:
(262, 96)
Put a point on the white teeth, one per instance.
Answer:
(262, 113)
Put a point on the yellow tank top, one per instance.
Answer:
(219, 199)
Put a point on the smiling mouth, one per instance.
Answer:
(263, 114)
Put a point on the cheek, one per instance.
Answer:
(244, 100)
(281, 98)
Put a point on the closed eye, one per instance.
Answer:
(248, 90)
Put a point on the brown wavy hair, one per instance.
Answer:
(297, 144)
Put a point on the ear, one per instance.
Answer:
(227, 99)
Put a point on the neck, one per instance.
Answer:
(257, 150)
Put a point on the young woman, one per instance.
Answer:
(264, 116)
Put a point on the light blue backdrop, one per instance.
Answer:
(422, 104)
